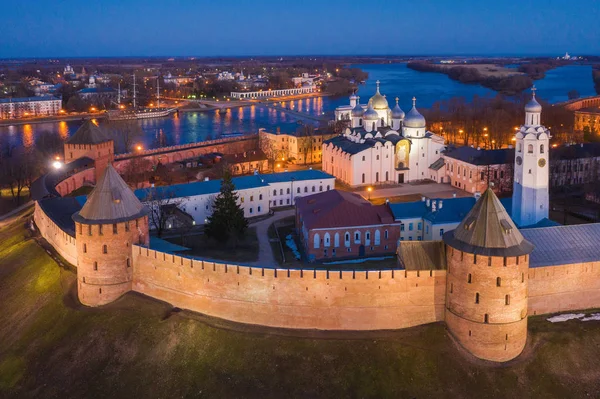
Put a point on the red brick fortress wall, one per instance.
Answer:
(292, 299)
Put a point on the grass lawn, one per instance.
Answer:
(52, 347)
(8, 202)
(83, 190)
(202, 246)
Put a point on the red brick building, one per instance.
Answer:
(340, 224)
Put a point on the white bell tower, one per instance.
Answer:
(530, 200)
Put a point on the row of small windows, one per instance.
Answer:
(299, 190)
(347, 242)
(128, 263)
(530, 148)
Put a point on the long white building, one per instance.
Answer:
(257, 193)
(382, 145)
(11, 108)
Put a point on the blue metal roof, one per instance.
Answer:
(453, 210)
(310, 174)
(563, 245)
(27, 99)
(406, 210)
(199, 188)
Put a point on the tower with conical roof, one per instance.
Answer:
(107, 226)
(486, 288)
(90, 141)
(530, 184)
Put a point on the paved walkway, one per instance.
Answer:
(437, 190)
(265, 254)
(8, 217)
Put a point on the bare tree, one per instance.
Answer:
(269, 147)
(125, 134)
(160, 202)
(137, 170)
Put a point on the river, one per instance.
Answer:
(396, 81)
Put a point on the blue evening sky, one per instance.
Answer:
(66, 28)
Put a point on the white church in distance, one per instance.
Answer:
(383, 145)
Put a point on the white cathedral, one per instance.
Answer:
(382, 145)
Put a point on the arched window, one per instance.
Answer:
(336, 240)
(507, 300)
(326, 240)
(298, 190)
(328, 187)
(363, 177)
(104, 249)
(374, 123)
(519, 147)
(498, 281)
(317, 241)
(367, 238)
(477, 297)
(95, 266)
(541, 148)
(357, 237)
(377, 237)
(385, 234)
(320, 188)
(313, 189)
(347, 239)
(288, 191)
(530, 149)
(376, 177)
(274, 192)
(360, 122)
(306, 189)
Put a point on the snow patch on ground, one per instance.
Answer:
(593, 316)
(574, 316)
(565, 317)
(358, 260)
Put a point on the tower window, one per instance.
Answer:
(104, 249)
(95, 266)
(530, 149)
(451, 288)
(100, 229)
(541, 148)
(114, 228)
(84, 248)
(469, 278)
(507, 300)
(477, 297)
(486, 318)
(498, 281)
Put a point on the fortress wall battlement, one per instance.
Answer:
(62, 242)
(302, 299)
(563, 288)
(76, 181)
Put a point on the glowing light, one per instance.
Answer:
(122, 106)
(62, 111)
(93, 109)
(138, 147)
(57, 165)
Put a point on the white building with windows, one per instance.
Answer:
(382, 145)
(257, 193)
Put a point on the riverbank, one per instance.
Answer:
(501, 82)
(50, 119)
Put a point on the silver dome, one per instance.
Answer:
(370, 114)
(397, 112)
(414, 117)
(533, 105)
(358, 111)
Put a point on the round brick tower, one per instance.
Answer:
(107, 226)
(486, 289)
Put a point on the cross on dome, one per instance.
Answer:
(533, 89)
(414, 99)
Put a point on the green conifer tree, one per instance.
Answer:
(227, 222)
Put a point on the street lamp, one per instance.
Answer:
(369, 189)
(57, 165)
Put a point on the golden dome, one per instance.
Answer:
(379, 101)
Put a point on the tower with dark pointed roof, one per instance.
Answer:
(90, 141)
(486, 285)
(106, 228)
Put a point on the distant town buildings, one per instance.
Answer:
(11, 108)
(303, 146)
